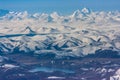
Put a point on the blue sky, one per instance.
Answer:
(61, 6)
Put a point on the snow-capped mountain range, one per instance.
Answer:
(81, 33)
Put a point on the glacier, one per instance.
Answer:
(79, 34)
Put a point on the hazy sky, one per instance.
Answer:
(61, 6)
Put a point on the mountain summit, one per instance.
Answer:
(86, 11)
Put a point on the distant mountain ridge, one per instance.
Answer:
(79, 34)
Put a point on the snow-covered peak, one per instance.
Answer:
(86, 10)
(54, 15)
(116, 75)
(23, 14)
(36, 15)
(28, 30)
(118, 72)
(76, 13)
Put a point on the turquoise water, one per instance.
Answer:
(47, 69)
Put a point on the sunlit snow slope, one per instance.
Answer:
(84, 32)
